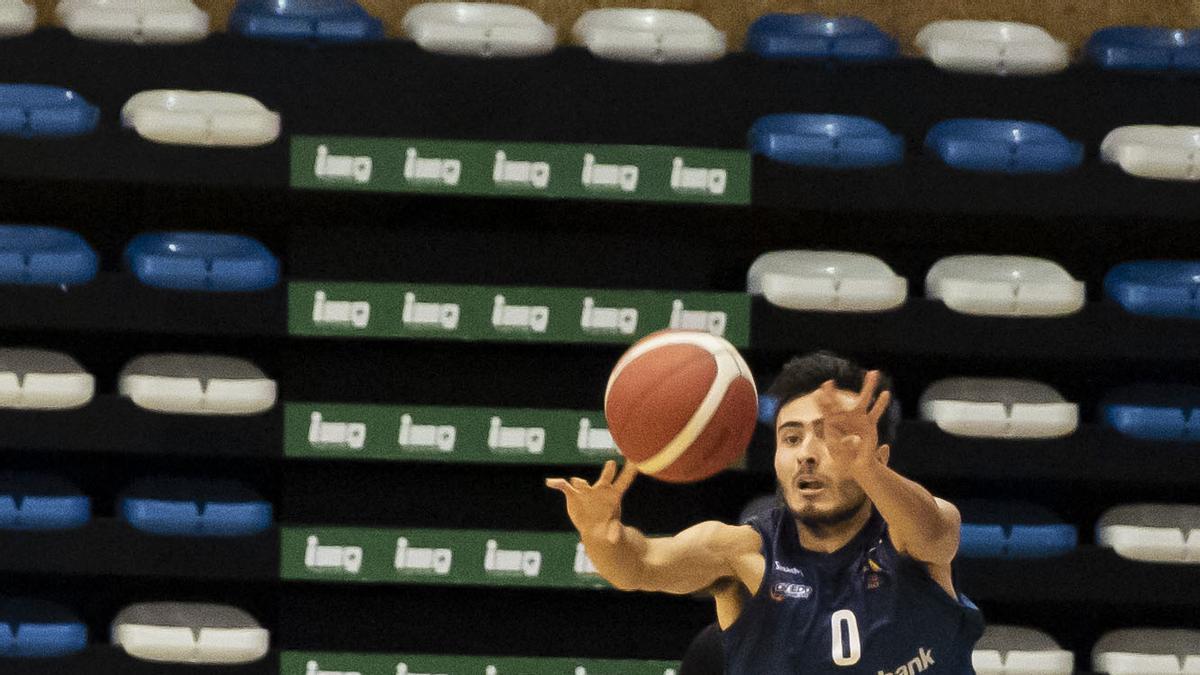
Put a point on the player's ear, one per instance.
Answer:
(884, 452)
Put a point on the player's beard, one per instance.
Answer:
(814, 519)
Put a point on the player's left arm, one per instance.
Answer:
(922, 526)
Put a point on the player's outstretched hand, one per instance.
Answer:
(595, 509)
(852, 430)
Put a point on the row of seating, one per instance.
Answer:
(202, 261)
(970, 144)
(200, 384)
(994, 407)
(161, 506)
(204, 118)
(1020, 650)
(192, 384)
(500, 30)
(211, 118)
(167, 632)
(214, 508)
(180, 632)
(989, 285)
(805, 280)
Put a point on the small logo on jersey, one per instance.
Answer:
(923, 660)
(789, 570)
(873, 582)
(782, 590)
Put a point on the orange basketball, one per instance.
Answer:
(681, 405)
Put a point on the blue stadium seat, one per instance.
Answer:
(1006, 146)
(1013, 530)
(768, 407)
(32, 254)
(199, 508)
(38, 629)
(202, 261)
(32, 110)
(330, 21)
(1166, 288)
(832, 141)
(813, 36)
(1159, 413)
(38, 502)
(1145, 48)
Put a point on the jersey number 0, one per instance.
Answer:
(846, 651)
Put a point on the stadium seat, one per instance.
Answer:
(202, 261)
(478, 29)
(138, 21)
(1167, 533)
(828, 281)
(16, 18)
(814, 36)
(321, 21)
(995, 285)
(1145, 48)
(992, 48)
(992, 529)
(36, 629)
(36, 379)
(36, 110)
(1017, 650)
(1154, 151)
(197, 384)
(31, 501)
(179, 632)
(1154, 412)
(1148, 651)
(649, 35)
(206, 118)
(998, 408)
(31, 254)
(1167, 288)
(826, 141)
(195, 508)
(1003, 146)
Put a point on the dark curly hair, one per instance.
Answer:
(805, 374)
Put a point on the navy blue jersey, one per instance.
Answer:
(861, 609)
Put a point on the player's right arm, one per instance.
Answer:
(690, 561)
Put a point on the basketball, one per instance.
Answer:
(681, 405)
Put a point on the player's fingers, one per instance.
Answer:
(628, 473)
(561, 485)
(579, 483)
(870, 384)
(826, 400)
(607, 474)
(881, 405)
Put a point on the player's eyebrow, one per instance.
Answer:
(791, 425)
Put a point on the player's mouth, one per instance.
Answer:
(809, 486)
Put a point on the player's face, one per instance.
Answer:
(815, 490)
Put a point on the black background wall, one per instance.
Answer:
(113, 185)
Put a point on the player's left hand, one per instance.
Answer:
(852, 429)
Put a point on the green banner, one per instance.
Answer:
(436, 557)
(647, 173)
(489, 313)
(328, 663)
(445, 434)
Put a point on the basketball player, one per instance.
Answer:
(849, 573)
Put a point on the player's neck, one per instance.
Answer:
(832, 537)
